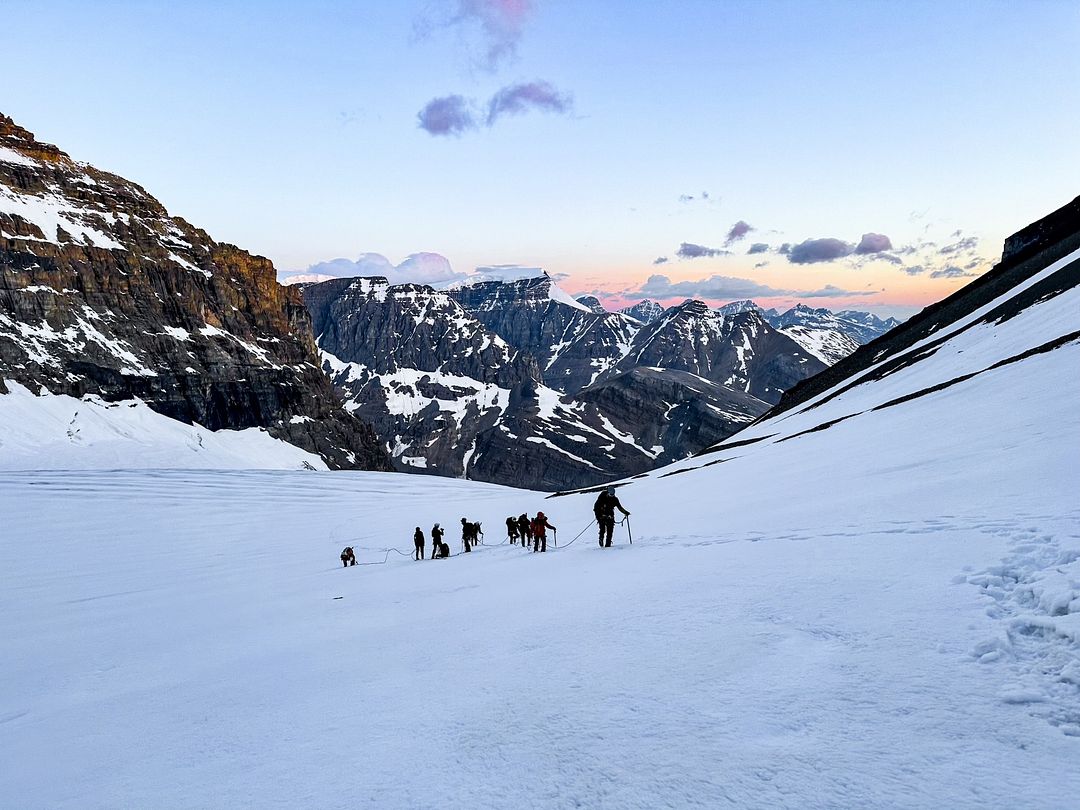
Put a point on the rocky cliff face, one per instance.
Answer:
(103, 292)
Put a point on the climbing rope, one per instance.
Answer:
(577, 535)
(386, 552)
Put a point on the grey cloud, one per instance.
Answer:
(660, 260)
(784, 249)
(688, 250)
(873, 243)
(914, 269)
(811, 251)
(758, 247)
(453, 115)
(448, 115)
(737, 232)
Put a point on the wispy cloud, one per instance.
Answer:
(952, 271)
(966, 244)
(689, 198)
(660, 260)
(491, 28)
(758, 247)
(516, 99)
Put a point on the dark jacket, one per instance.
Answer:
(606, 505)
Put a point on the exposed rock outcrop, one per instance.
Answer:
(103, 292)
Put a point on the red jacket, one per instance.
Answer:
(538, 526)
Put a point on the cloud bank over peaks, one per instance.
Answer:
(432, 269)
(731, 288)
(417, 268)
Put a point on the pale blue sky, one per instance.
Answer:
(291, 128)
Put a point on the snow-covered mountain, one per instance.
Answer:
(645, 311)
(740, 351)
(103, 293)
(828, 336)
(870, 598)
(449, 396)
(506, 380)
(737, 307)
(593, 303)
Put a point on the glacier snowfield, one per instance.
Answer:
(189, 639)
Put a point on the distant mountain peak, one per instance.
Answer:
(645, 311)
(592, 303)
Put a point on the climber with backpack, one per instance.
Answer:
(347, 557)
(418, 542)
(469, 532)
(604, 510)
(437, 544)
(512, 530)
(525, 530)
(539, 531)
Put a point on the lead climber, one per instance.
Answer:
(604, 510)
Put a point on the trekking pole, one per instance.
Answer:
(555, 539)
(629, 533)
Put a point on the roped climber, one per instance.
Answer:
(539, 531)
(436, 541)
(604, 510)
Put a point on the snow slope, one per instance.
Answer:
(60, 432)
(870, 600)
